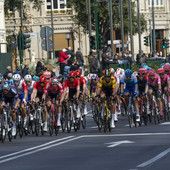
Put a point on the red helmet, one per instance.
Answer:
(103, 72)
(47, 74)
(42, 79)
(143, 69)
(166, 67)
(161, 71)
(141, 72)
(78, 73)
(55, 80)
(72, 74)
(152, 72)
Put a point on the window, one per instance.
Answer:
(57, 4)
(156, 3)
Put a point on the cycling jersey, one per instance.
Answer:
(111, 83)
(154, 82)
(142, 83)
(165, 80)
(54, 89)
(129, 83)
(38, 87)
(117, 78)
(82, 82)
(72, 86)
(22, 87)
(30, 88)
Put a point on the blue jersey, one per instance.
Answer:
(129, 83)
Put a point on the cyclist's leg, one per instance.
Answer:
(136, 105)
(58, 111)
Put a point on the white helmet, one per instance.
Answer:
(112, 70)
(16, 77)
(118, 71)
(28, 77)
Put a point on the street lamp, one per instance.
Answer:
(68, 38)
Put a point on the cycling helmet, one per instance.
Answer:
(103, 72)
(141, 72)
(42, 79)
(118, 71)
(47, 74)
(6, 85)
(72, 74)
(16, 77)
(122, 71)
(107, 72)
(128, 72)
(112, 70)
(1, 78)
(78, 73)
(36, 78)
(28, 77)
(152, 72)
(94, 77)
(166, 67)
(160, 71)
(55, 80)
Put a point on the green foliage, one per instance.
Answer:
(32, 69)
(81, 17)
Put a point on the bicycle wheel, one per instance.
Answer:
(63, 120)
(130, 119)
(3, 129)
(69, 120)
(156, 116)
(51, 124)
(57, 128)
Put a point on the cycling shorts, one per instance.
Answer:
(72, 93)
(155, 90)
(21, 97)
(108, 91)
(130, 90)
(51, 96)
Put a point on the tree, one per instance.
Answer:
(14, 5)
(81, 17)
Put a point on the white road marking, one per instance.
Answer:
(40, 149)
(93, 127)
(36, 147)
(113, 144)
(165, 123)
(156, 158)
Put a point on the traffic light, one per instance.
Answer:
(92, 42)
(146, 40)
(163, 43)
(101, 42)
(26, 41)
(166, 43)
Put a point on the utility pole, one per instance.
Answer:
(139, 28)
(97, 28)
(153, 22)
(122, 24)
(111, 27)
(52, 26)
(150, 30)
(130, 26)
(89, 19)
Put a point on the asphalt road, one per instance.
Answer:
(146, 147)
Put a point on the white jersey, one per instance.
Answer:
(118, 79)
(21, 87)
(30, 88)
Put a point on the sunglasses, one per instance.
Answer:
(28, 81)
(42, 82)
(128, 77)
(77, 76)
(54, 84)
(16, 81)
(71, 77)
(161, 74)
(107, 76)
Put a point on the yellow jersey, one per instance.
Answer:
(110, 84)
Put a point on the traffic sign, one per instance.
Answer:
(46, 32)
(47, 45)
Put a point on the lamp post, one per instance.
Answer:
(68, 38)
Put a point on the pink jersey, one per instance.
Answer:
(155, 81)
(53, 89)
(165, 80)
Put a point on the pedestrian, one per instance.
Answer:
(79, 57)
(25, 70)
(94, 64)
(71, 55)
(8, 70)
(63, 60)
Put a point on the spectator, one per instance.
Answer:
(79, 57)
(150, 55)
(8, 70)
(75, 66)
(39, 68)
(94, 65)
(10, 78)
(25, 70)
(115, 60)
(63, 60)
(71, 56)
(129, 58)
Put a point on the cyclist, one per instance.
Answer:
(166, 67)
(36, 78)
(54, 90)
(30, 85)
(9, 95)
(107, 88)
(130, 80)
(1, 80)
(21, 88)
(143, 85)
(154, 82)
(37, 96)
(72, 89)
(165, 83)
(82, 90)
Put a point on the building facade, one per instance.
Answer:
(63, 25)
(162, 24)
(2, 28)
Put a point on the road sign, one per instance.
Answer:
(47, 45)
(46, 32)
(120, 45)
(114, 42)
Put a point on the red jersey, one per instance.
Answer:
(72, 86)
(82, 82)
(39, 88)
(54, 89)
